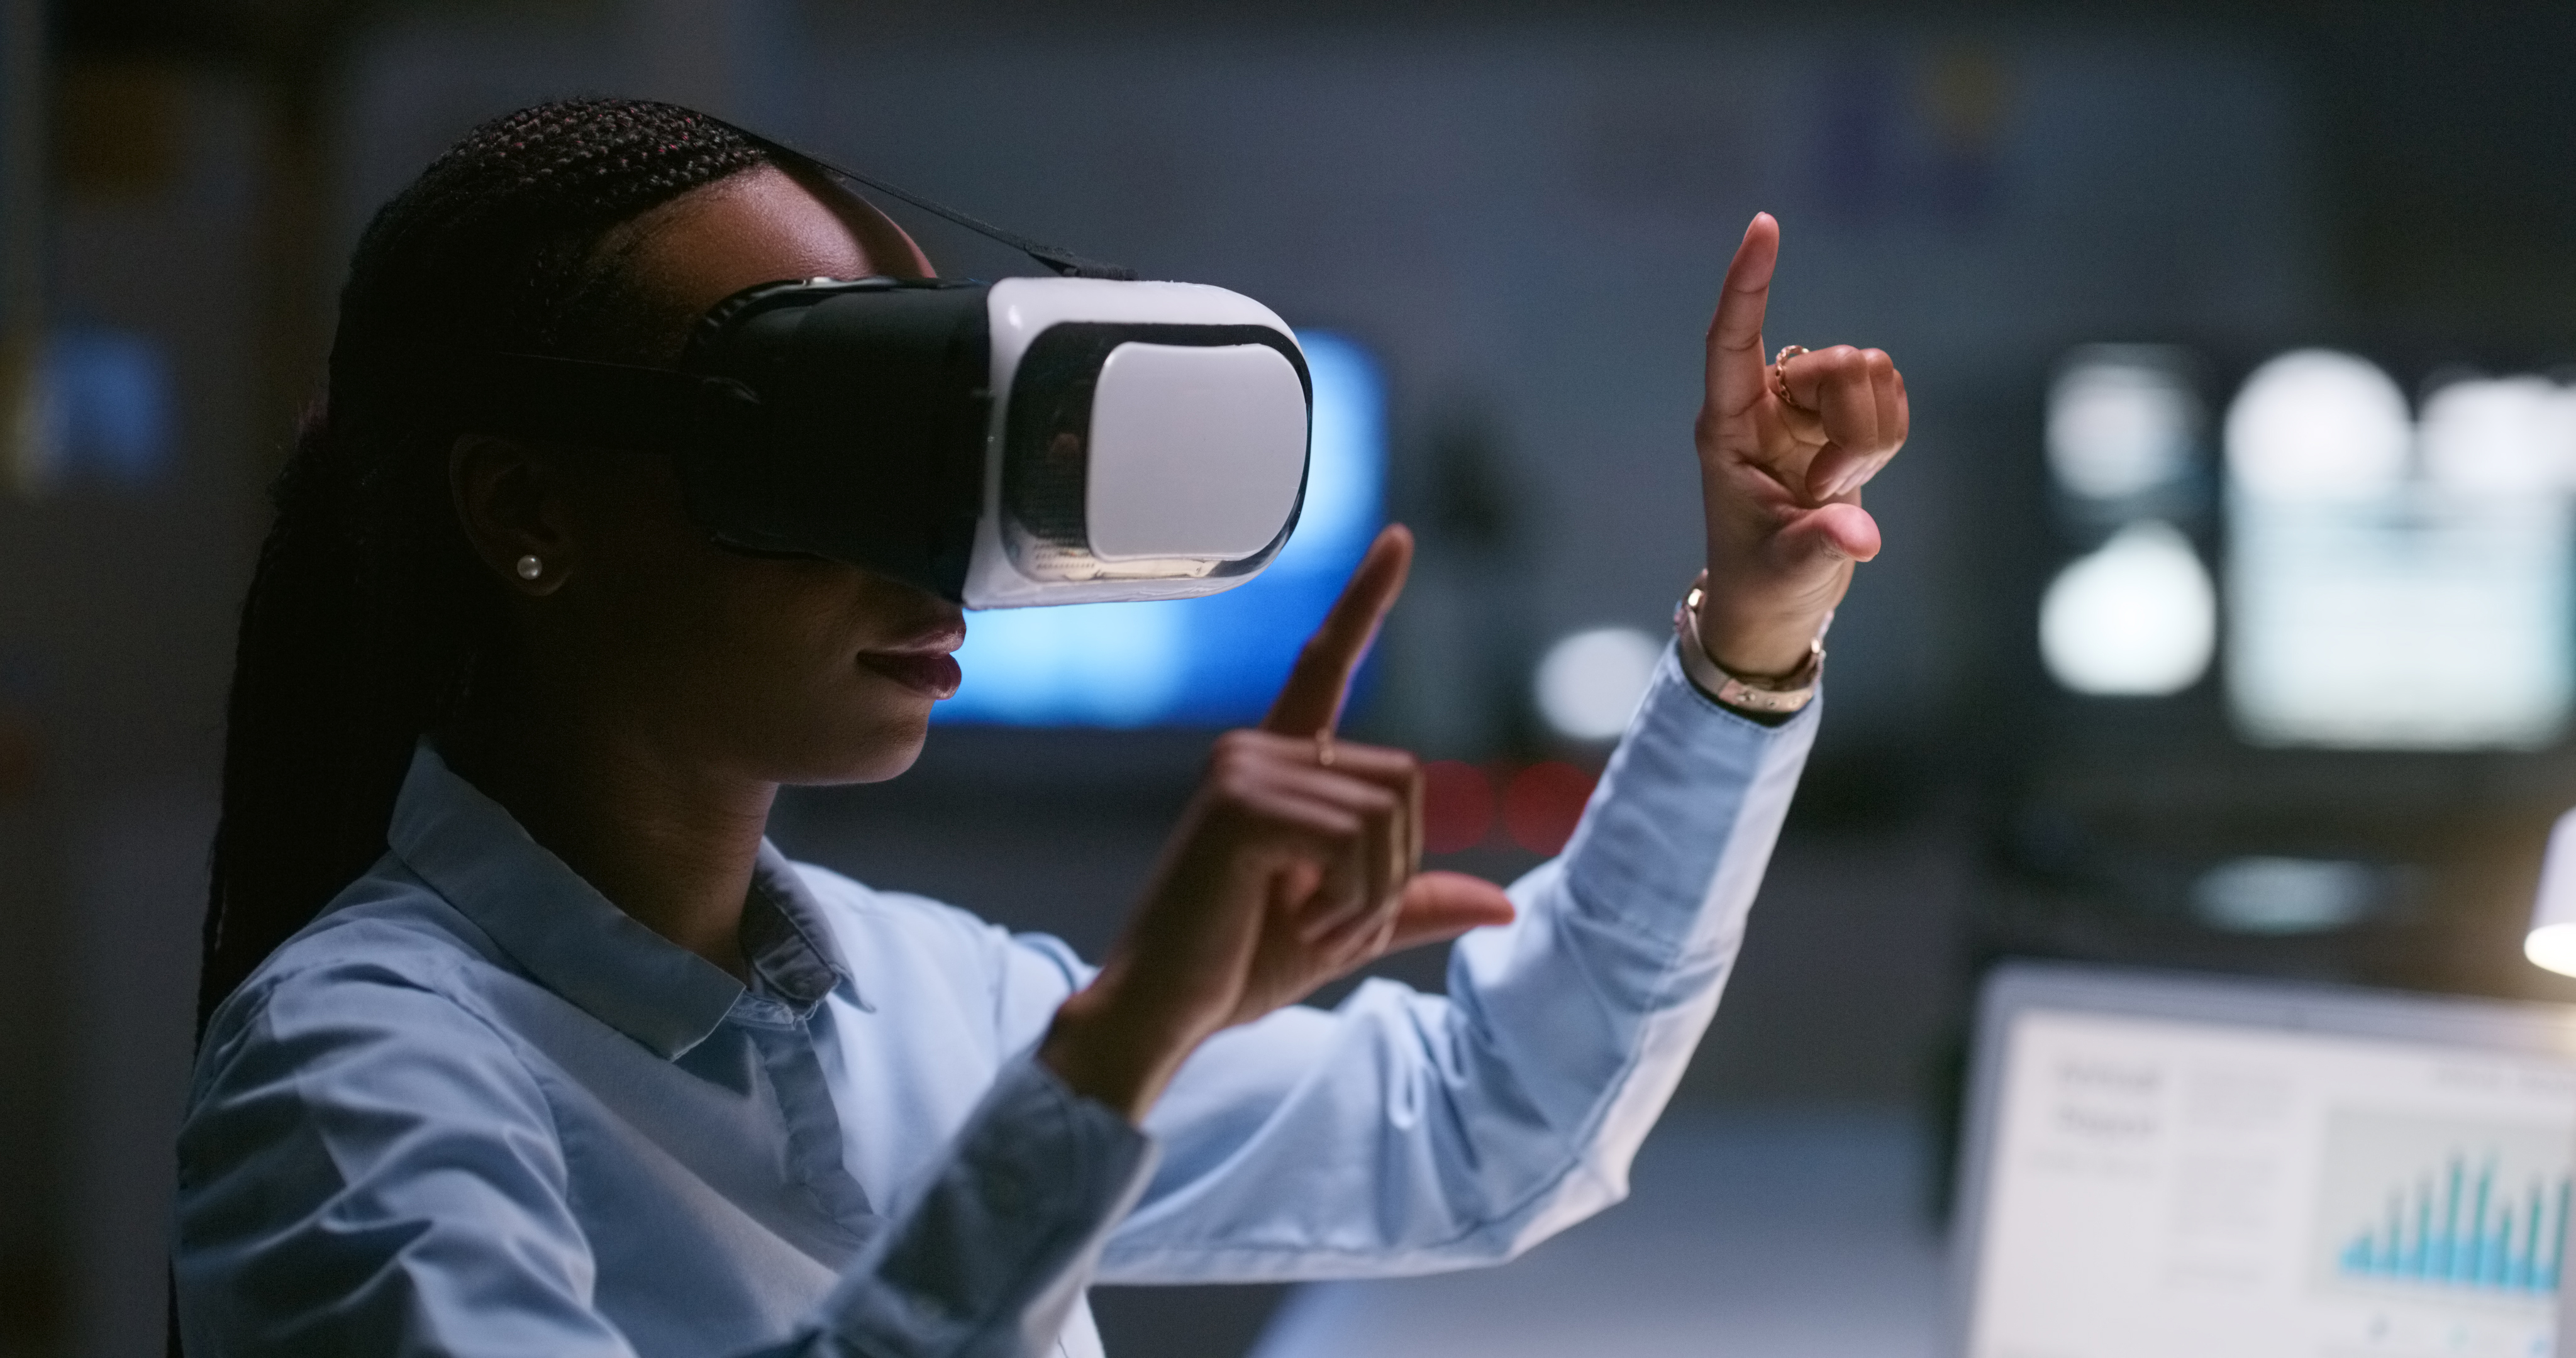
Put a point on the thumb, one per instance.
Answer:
(1825, 537)
(1443, 905)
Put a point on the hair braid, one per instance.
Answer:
(367, 612)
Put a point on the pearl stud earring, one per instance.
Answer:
(530, 567)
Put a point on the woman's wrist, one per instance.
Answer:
(1109, 1054)
(1772, 646)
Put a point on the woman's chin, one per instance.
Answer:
(885, 751)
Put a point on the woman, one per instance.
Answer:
(522, 1039)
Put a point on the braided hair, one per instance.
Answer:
(368, 614)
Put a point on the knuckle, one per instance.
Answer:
(1233, 776)
(1245, 748)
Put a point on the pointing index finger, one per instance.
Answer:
(1311, 700)
(1735, 361)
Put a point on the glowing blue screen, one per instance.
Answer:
(1215, 661)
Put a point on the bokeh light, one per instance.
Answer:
(1588, 683)
(1458, 806)
(2138, 618)
(2122, 421)
(2315, 424)
(1542, 804)
(2505, 436)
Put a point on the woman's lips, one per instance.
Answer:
(932, 672)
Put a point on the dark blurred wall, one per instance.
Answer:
(115, 623)
(1525, 211)
(1529, 223)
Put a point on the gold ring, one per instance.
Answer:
(1780, 375)
(1324, 749)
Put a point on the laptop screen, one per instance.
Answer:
(2223, 1169)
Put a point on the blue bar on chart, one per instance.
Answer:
(2463, 1232)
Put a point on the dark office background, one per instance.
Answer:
(1524, 209)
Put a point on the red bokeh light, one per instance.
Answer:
(1543, 803)
(1457, 806)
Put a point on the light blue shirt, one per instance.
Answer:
(475, 1109)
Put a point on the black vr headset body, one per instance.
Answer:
(1022, 442)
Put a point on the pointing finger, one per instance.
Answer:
(1311, 701)
(1735, 363)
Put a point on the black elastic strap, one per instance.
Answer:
(620, 405)
(1063, 261)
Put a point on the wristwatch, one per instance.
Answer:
(1770, 697)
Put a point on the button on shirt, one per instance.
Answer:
(475, 1109)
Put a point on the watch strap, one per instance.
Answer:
(1770, 697)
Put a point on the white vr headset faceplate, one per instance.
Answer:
(1151, 493)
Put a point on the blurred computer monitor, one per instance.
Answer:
(2159, 1165)
(2363, 530)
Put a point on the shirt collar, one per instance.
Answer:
(575, 943)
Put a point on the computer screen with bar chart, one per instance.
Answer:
(2163, 1166)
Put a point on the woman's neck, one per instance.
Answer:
(667, 840)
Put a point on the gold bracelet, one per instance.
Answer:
(1771, 697)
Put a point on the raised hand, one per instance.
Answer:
(1297, 861)
(1780, 481)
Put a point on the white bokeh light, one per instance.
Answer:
(2138, 618)
(2315, 424)
(2266, 895)
(2122, 420)
(2506, 436)
(1588, 684)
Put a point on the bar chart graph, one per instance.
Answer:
(2462, 1209)
(2460, 1226)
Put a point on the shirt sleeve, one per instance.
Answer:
(1423, 1132)
(991, 1259)
(369, 1168)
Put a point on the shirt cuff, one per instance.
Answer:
(993, 1257)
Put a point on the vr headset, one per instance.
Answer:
(1074, 439)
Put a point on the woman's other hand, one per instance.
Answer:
(1297, 861)
(1780, 480)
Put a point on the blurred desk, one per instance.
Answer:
(1772, 1235)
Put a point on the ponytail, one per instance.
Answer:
(319, 727)
(368, 615)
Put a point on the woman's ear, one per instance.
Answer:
(510, 503)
